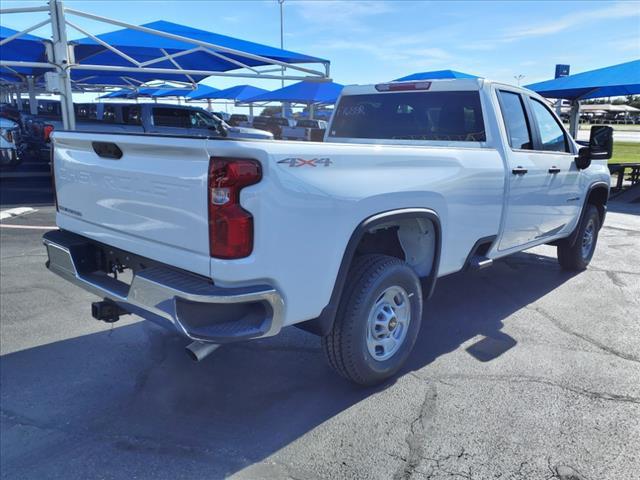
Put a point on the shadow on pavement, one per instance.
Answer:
(129, 401)
(26, 191)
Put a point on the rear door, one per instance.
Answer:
(528, 174)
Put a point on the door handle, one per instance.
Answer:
(519, 171)
(554, 170)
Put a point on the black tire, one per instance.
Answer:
(346, 346)
(575, 257)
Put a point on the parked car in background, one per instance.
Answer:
(222, 115)
(272, 124)
(233, 240)
(11, 112)
(9, 139)
(237, 118)
(155, 118)
(307, 130)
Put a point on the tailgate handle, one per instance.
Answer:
(107, 150)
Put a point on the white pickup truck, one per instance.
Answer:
(228, 240)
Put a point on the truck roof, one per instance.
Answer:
(435, 85)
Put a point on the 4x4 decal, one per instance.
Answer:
(301, 162)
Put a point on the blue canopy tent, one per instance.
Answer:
(201, 91)
(302, 92)
(22, 48)
(239, 93)
(435, 75)
(143, 51)
(616, 80)
(123, 93)
(309, 93)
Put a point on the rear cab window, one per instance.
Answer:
(447, 116)
(515, 120)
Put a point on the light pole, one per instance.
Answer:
(281, 3)
(518, 78)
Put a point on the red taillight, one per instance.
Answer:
(230, 225)
(46, 132)
(403, 86)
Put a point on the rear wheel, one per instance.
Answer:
(577, 256)
(378, 320)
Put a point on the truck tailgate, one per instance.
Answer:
(152, 201)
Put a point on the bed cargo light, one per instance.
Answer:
(230, 225)
(403, 87)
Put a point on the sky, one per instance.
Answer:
(377, 41)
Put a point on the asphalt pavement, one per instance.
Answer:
(521, 371)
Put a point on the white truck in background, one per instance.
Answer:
(231, 240)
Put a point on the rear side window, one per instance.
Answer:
(131, 115)
(440, 116)
(109, 115)
(171, 117)
(515, 120)
(552, 137)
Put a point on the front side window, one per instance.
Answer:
(171, 117)
(201, 120)
(515, 120)
(552, 137)
(438, 116)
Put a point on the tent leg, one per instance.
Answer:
(574, 119)
(209, 105)
(311, 112)
(33, 102)
(62, 61)
(18, 100)
(251, 112)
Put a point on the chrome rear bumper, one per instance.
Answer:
(197, 308)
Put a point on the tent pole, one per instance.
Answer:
(209, 107)
(62, 62)
(18, 99)
(311, 112)
(251, 112)
(33, 102)
(574, 118)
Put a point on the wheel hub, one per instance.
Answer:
(587, 239)
(388, 323)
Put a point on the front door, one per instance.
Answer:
(528, 175)
(564, 193)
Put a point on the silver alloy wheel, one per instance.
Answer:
(388, 323)
(587, 239)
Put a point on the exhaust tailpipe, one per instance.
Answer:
(199, 350)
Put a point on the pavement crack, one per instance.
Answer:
(607, 396)
(416, 435)
(592, 341)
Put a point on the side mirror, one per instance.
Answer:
(583, 160)
(601, 142)
(600, 146)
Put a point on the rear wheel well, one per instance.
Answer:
(412, 235)
(411, 240)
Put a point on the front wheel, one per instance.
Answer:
(577, 256)
(378, 320)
